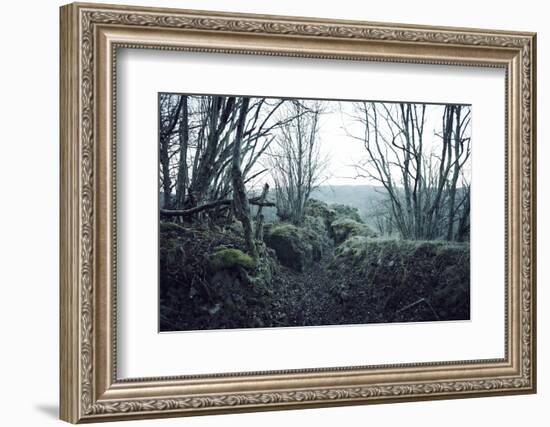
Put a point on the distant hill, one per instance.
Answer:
(362, 197)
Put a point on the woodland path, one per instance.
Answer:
(294, 292)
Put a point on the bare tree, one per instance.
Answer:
(198, 134)
(379, 215)
(420, 177)
(295, 160)
(460, 144)
(463, 229)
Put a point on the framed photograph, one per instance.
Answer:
(267, 212)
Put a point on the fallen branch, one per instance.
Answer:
(420, 301)
(211, 205)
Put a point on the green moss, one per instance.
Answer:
(367, 254)
(353, 248)
(417, 248)
(285, 230)
(223, 259)
(344, 228)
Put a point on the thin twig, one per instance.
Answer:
(420, 301)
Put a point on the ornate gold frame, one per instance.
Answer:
(90, 35)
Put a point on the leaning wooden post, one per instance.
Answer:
(259, 235)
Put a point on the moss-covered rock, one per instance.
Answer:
(344, 228)
(295, 247)
(228, 258)
(331, 212)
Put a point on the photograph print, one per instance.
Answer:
(287, 212)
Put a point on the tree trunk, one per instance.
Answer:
(454, 179)
(183, 175)
(166, 181)
(464, 223)
(240, 201)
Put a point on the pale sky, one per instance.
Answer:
(343, 150)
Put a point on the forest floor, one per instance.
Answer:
(294, 292)
(330, 271)
(322, 295)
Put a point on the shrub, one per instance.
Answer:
(346, 211)
(315, 224)
(207, 281)
(402, 272)
(318, 209)
(230, 258)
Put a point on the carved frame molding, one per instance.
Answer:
(90, 35)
